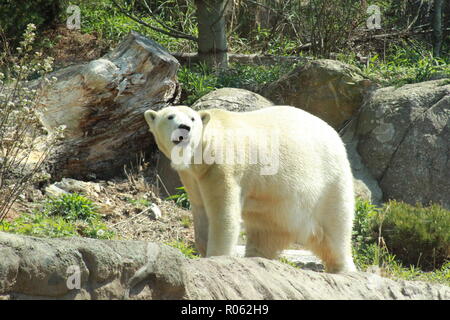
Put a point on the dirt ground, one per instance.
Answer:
(124, 206)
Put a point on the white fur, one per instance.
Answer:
(309, 199)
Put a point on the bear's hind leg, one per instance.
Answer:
(336, 256)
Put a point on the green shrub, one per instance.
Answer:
(72, 207)
(373, 243)
(419, 236)
(363, 225)
(366, 249)
(196, 82)
(413, 236)
(181, 198)
(67, 216)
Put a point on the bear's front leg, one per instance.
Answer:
(223, 208)
(200, 228)
(198, 211)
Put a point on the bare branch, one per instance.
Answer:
(161, 23)
(173, 33)
(416, 17)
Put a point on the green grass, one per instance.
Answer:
(286, 261)
(403, 64)
(140, 203)
(67, 216)
(106, 20)
(199, 80)
(188, 250)
(186, 221)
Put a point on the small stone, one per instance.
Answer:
(54, 191)
(155, 211)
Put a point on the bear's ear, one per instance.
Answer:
(150, 117)
(205, 116)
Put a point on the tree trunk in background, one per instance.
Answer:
(264, 16)
(212, 44)
(437, 27)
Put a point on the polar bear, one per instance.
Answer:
(280, 170)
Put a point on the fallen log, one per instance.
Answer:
(101, 104)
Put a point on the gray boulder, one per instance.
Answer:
(365, 185)
(404, 140)
(329, 89)
(78, 268)
(232, 99)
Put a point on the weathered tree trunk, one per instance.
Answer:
(437, 27)
(102, 103)
(212, 43)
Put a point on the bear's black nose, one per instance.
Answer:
(185, 127)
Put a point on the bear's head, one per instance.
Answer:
(178, 132)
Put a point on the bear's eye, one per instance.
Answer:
(170, 117)
(192, 119)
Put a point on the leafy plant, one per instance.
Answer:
(72, 207)
(181, 198)
(363, 225)
(368, 249)
(288, 262)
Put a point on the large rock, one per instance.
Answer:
(231, 99)
(101, 104)
(404, 139)
(77, 268)
(329, 89)
(365, 185)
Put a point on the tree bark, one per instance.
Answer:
(212, 38)
(437, 27)
(102, 105)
